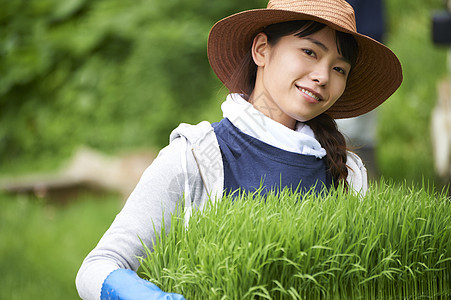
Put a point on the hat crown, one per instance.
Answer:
(337, 12)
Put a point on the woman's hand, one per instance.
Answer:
(123, 284)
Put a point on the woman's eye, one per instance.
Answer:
(340, 70)
(309, 52)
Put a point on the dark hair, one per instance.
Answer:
(324, 126)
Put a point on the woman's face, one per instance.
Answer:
(298, 78)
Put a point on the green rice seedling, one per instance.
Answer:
(394, 243)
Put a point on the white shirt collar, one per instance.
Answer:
(249, 120)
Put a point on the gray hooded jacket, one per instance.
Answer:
(190, 166)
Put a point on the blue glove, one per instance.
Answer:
(123, 284)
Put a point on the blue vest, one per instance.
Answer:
(250, 163)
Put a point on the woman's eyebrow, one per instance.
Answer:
(318, 43)
(324, 47)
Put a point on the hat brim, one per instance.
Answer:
(374, 78)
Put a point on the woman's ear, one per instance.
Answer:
(259, 49)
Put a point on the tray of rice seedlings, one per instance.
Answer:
(394, 243)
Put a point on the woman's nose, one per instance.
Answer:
(320, 76)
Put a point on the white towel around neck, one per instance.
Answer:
(249, 120)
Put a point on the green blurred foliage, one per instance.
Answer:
(405, 146)
(44, 243)
(109, 74)
(117, 75)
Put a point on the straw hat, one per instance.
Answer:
(375, 77)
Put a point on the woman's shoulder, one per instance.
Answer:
(354, 159)
(199, 149)
(357, 174)
(193, 133)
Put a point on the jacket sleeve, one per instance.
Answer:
(357, 174)
(154, 199)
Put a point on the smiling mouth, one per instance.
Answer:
(310, 94)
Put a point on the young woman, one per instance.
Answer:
(291, 69)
